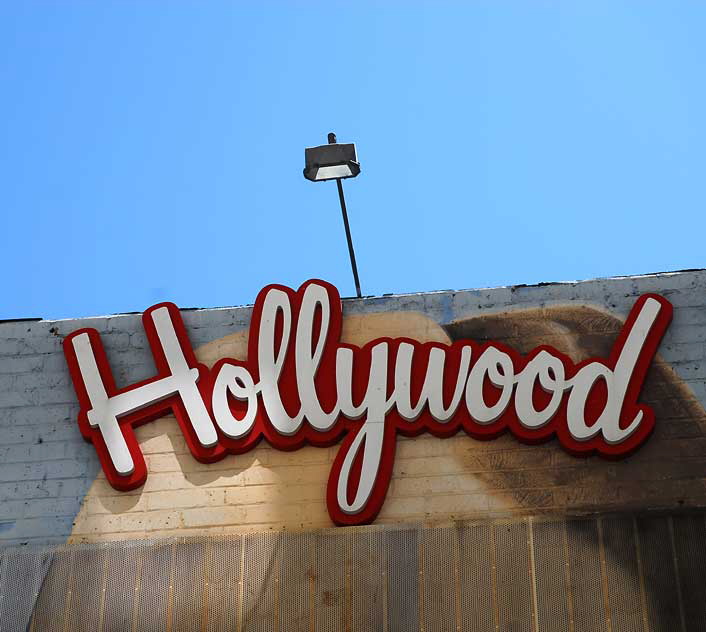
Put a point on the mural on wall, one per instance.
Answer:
(466, 478)
(300, 385)
(435, 480)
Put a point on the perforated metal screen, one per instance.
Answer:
(614, 573)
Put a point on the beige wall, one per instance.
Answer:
(270, 489)
(434, 480)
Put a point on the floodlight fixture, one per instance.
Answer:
(331, 162)
(335, 162)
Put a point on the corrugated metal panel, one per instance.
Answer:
(585, 581)
(297, 572)
(85, 607)
(622, 573)
(660, 582)
(259, 583)
(552, 578)
(223, 590)
(438, 576)
(690, 549)
(475, 565)
(152, 591)
(23, 574)
(122, 571)
(332, 552)
(614, 573)
(401, 602)
(513, 577)
(368, 576)
(188, 585)
(53, 599)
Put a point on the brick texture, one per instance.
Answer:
(51, 486)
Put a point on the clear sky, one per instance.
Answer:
(154, 150)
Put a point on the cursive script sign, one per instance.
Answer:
(301, 385)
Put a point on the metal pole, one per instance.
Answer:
(348, 236)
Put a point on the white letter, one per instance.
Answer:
(432, 392)
(550, 372)
(271, 362)
(490, 363)
(238, 382)
(369, 437)
(105, 411)
(616, 382)
(307, 362)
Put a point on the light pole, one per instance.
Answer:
(335, 162)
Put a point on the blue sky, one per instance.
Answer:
(153, 151)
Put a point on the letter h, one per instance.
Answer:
(108, 414)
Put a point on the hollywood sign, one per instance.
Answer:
(300, 385)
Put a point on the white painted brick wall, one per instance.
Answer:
(46, 468)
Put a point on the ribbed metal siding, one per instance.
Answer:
(613, 573)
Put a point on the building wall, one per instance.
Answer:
(52, 488)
